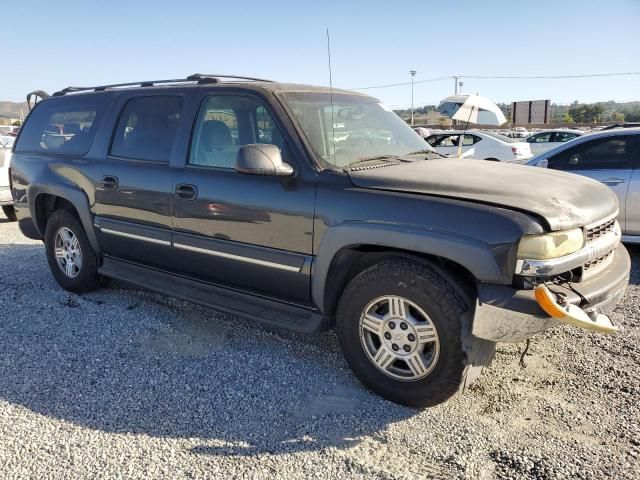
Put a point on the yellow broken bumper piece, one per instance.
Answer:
(572, 314)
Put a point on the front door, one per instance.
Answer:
(134, 182)
(249, 232)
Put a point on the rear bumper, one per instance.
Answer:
(504, 314)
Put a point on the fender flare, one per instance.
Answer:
(73, 195)
(471, 253)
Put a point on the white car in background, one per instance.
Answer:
(480, 145)
(6, 143)
(543, 141)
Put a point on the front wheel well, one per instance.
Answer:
(350, 261)
(46, 204)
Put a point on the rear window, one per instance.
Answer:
(62, 126)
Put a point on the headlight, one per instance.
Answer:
(550, 245)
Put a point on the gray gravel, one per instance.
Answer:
(124, 383)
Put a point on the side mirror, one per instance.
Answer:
(262, 159)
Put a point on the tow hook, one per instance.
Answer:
(554, 305)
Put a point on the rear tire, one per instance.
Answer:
(10, 212)
(424, 290)
(72, 261)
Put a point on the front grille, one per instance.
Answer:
(599, 230)
(592, 234)
(597, 262)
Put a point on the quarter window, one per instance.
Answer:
(147, 128)
(226, 123)
(605, 153)
(62, 126)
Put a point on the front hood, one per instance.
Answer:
(564, 200)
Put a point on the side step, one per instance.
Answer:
(270, 312)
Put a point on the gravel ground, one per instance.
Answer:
(124, 383)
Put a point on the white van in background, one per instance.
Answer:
(6, 143)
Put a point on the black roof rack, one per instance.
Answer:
(199, 78)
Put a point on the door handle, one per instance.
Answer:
(613, 181)
(109, 182)
(186, 192)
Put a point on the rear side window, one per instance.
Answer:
(147, 128)
(564, 136)
(62, 126)
(542, 138)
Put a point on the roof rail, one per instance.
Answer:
(199, 78)
(203, 76)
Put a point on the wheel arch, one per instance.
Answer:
(343, 254)
(50, 197)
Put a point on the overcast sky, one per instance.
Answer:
(50, 45)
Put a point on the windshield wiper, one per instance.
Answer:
(387, 158)
(426, 150)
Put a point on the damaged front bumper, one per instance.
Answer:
(505, 314)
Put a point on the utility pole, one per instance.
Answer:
(460, 83)
(413, 74)
(455, 85)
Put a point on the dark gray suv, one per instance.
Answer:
(305, 207)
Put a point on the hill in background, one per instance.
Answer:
(13, 109)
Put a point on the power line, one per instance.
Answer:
(402, 84)
(585, 75)
(498, 77)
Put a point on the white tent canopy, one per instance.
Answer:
(472, 109)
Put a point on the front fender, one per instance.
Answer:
(471, 253)
(74, 196)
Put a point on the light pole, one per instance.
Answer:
(455, 85)
(460, 84)
(413, 74)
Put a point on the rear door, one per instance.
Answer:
(133, 184)
(609, 160)
(249, 232)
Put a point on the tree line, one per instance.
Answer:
(576, 112)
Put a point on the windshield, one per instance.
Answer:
(358, 127)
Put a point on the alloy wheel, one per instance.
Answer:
(67, 252)
(399, 338)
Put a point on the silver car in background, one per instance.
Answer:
(611, 157)
(6, 202)
(546, 140)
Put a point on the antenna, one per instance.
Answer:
(333, 133)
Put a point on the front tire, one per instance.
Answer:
(72, 261)
(10, 213)
(399, 324)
